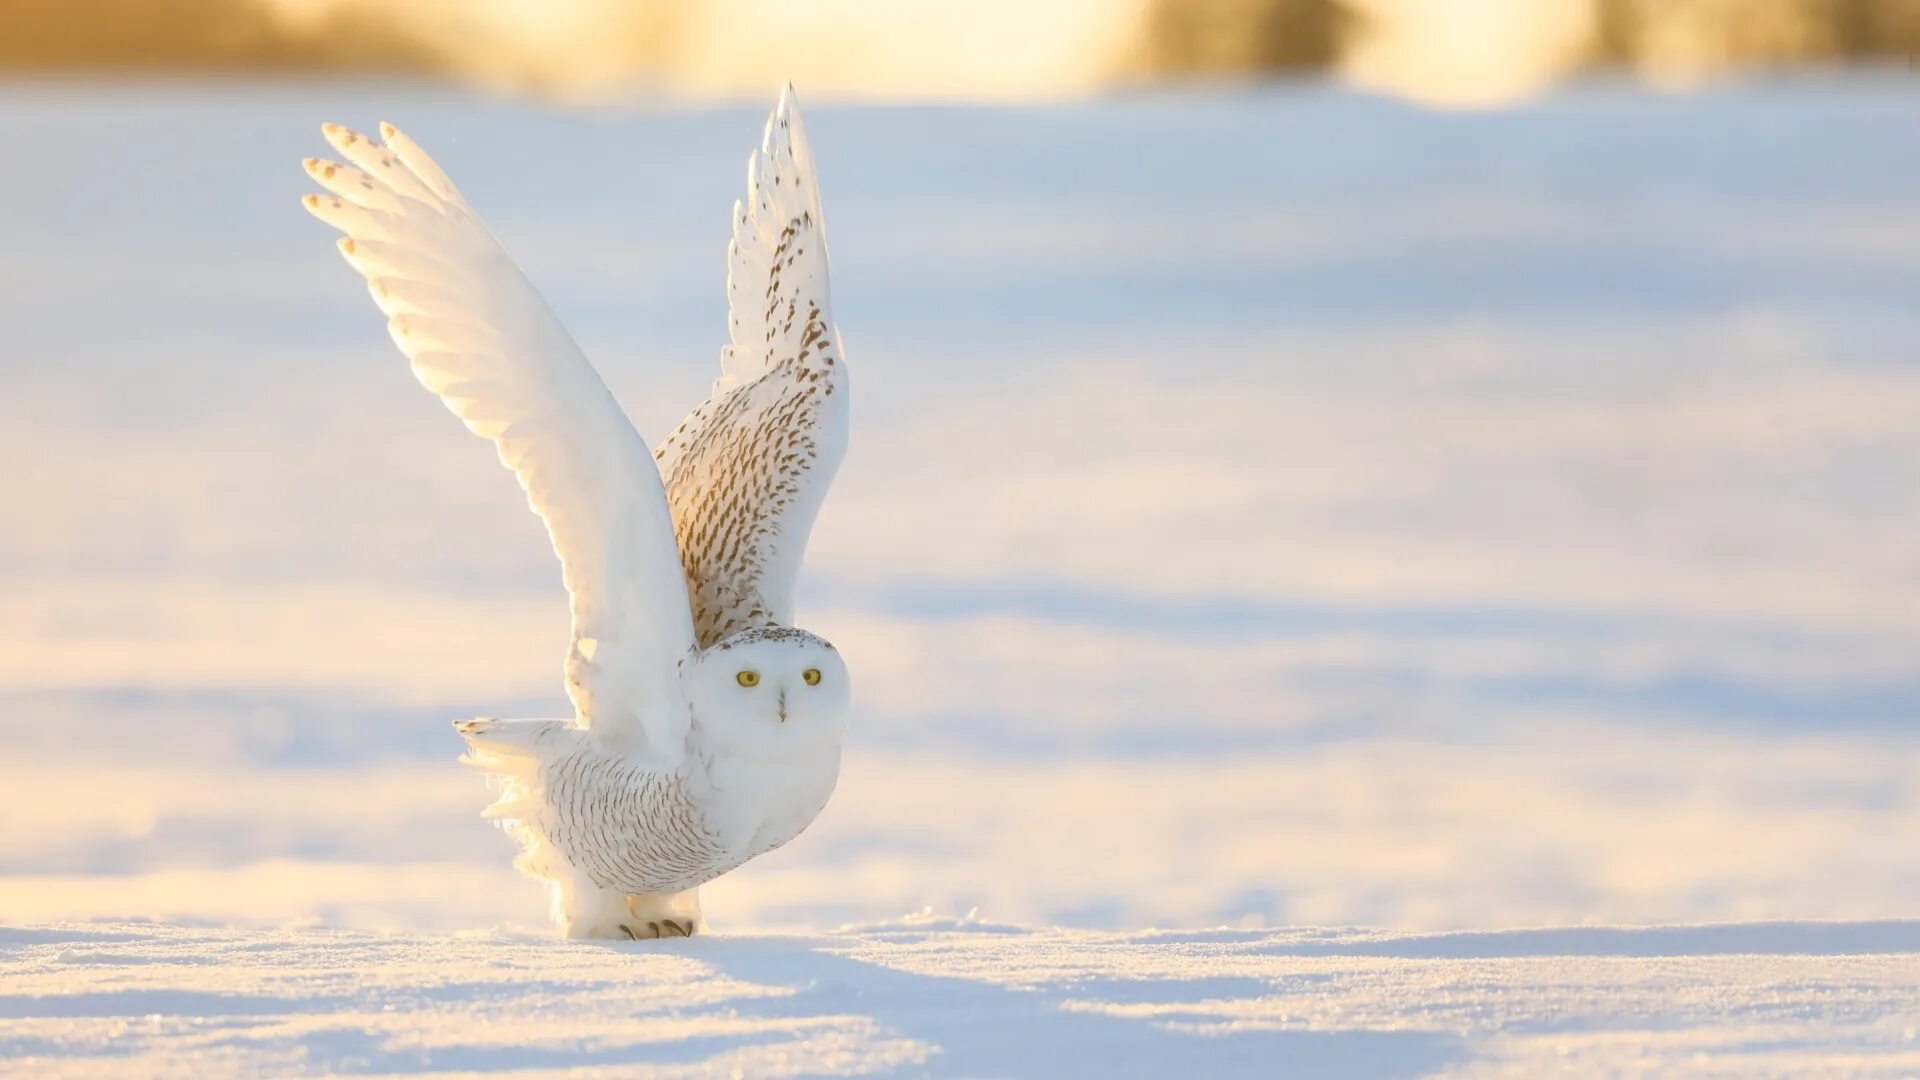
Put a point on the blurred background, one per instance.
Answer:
(1423, 464)
(1442, 51)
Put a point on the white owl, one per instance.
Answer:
(707, 729)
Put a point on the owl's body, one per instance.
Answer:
(707, 728)
(627, 837)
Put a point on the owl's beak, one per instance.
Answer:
(783, 705)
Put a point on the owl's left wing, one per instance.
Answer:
(747, 471)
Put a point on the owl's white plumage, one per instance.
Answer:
(680, 565)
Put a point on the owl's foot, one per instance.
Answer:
(588, 911)
(616, 920)
(659, 928)
(662, 915)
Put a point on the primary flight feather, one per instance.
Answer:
(707, 729)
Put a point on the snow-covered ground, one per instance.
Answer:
(963, 998)
(1371, 517)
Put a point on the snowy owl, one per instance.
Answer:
(707, 728)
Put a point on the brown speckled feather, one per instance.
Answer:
(746, 472)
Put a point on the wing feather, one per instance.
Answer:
(479, 336)
(748, 470)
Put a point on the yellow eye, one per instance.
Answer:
(812, 675)
(748, 677)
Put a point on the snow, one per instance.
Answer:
(951, 997)
(1436, 522)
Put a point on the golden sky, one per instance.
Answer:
(1453, 52)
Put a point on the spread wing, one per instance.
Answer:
(481, 337)
(747, 471)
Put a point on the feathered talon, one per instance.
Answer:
(654, 929)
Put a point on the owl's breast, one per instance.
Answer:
(761, 803)
(642, 830)
(627, 827)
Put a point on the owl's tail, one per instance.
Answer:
(487, 737)
(511, 752)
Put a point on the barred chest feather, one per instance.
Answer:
(636, 830)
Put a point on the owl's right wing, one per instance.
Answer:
(481, 338)
(748, 471)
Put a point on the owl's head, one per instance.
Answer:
(770, 689)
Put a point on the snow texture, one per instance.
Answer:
(1379, 517)
(934, 997)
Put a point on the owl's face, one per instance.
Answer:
(770, 690)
